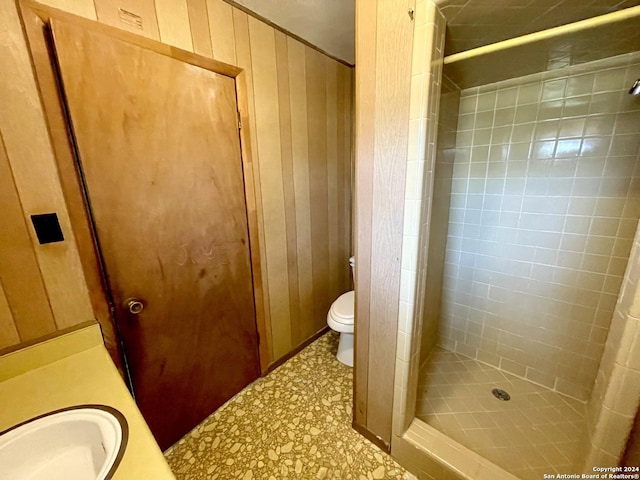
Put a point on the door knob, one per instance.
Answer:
(134, 305)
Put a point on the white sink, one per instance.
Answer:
(77, 443)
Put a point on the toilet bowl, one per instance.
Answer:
(340, 319)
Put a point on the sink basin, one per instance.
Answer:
(84, 442)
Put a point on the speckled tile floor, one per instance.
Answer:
(295, 423)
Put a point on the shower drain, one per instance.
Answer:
(501, 394)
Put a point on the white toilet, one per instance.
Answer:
(340, 319)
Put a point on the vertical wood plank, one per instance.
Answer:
(382, 102)
(82, 8)
(118, 13)
(350, 141)
(223, 43)
(8, 333)
(243, 53)
(35, 174)
(288, 185)
(343, 219)
(300, 149)
(199, 21)
(331, 69)
(173, 23)
(365, 101)
(252, 193)
(344, 173)
(349, 150)
(393, 75)
(317, 133)
(265, 83)
(19, 272)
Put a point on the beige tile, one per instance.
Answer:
(419, 50)
(561, 128)
(416, 105)
(407, 453)
(421, 13)
(598, 458)
(623, 393)
(521, 434)
(633, 358)
(611, 432)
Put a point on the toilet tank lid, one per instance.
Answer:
(344, 306)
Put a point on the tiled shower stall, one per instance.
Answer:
(544, 204)
(520, 216)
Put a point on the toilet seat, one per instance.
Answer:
(342, 312)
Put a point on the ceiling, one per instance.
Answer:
(330, 25)
(327, 24)
(473, 23)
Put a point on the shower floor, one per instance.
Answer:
(538, 431)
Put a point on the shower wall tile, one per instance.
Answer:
(442, 173)
(545, 199)
(616, 393)
(428, 44)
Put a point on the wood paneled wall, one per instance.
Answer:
(23, 297)
(300, 114)
(43, 286)
(384, 34)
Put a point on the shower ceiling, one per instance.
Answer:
(556, 52)
(473, 23)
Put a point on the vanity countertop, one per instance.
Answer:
(75, 369)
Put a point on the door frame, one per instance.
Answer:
(36, 19)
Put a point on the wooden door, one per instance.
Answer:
(159, 153)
